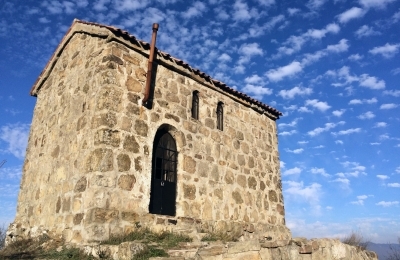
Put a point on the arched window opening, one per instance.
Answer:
(195, 105)
(163, 181)
(220, 116)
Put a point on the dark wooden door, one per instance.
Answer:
(163, 181)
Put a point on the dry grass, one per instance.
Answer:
(357, 240)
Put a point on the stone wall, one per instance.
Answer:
(296, 249)
(87, 170)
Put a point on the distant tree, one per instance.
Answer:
(394, 253)
(2, 236)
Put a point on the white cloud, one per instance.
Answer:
(340, 47)
(285, 71)
(398, 169)
(362, 197)
(371, 82)
(224, 58)
(292, 171)
(100, 5)
(348, 131)
(257, 91)
(254, 79)
(295, 151)
(339, 113)
(248, 50)
(293, 11)
(394, 93)
(315, 4)
(128, 5)
(241, 11)
(291, 93)
(327, 127)
(266, 2)
(366, 115)
(291, 124)
(320, 171)
(382, 177)
(380, 124)
(394, 185)
(322, 106)
(342, 181)
(338, 142)
(388, 106)
(282, 164)
(387, 203)
(364, 101)
(44, 20)
(16, 136)
(352, 13)
(395, 71)
(309, 193)
(355, 102)
(355, 57)
(286, 133)
(365, 31)
(375, 3)
(294, 43)
(387, 50)
(360, 200)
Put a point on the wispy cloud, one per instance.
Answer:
(16, 138)
(356, 57)
(327, 127)
(363, 101)
(352, 13)
(348, 131)
(320, 105)
(380, 4)
(196, 10)
(388, 106)
(387, 203)
(295, 151)
(296, 91)
(320, 171)
(366, 115)
(285, 71)
(292, 171)
(339, 113)
(365, 31)
(295, 43)
(387, 50)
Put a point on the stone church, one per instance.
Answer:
(125, 135)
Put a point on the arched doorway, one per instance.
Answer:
(163, 176)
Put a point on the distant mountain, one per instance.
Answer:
(383, 250)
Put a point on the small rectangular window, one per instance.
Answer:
(220, 116)
(195, 105)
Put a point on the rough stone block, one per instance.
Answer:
(100, 160)
(126, 182)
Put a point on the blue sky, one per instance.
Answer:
(330, 66)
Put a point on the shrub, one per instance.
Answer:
(357, 240)
(394, 253)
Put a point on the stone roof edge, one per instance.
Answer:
(110, 32)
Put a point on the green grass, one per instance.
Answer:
(164, 239)
(157, 244)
